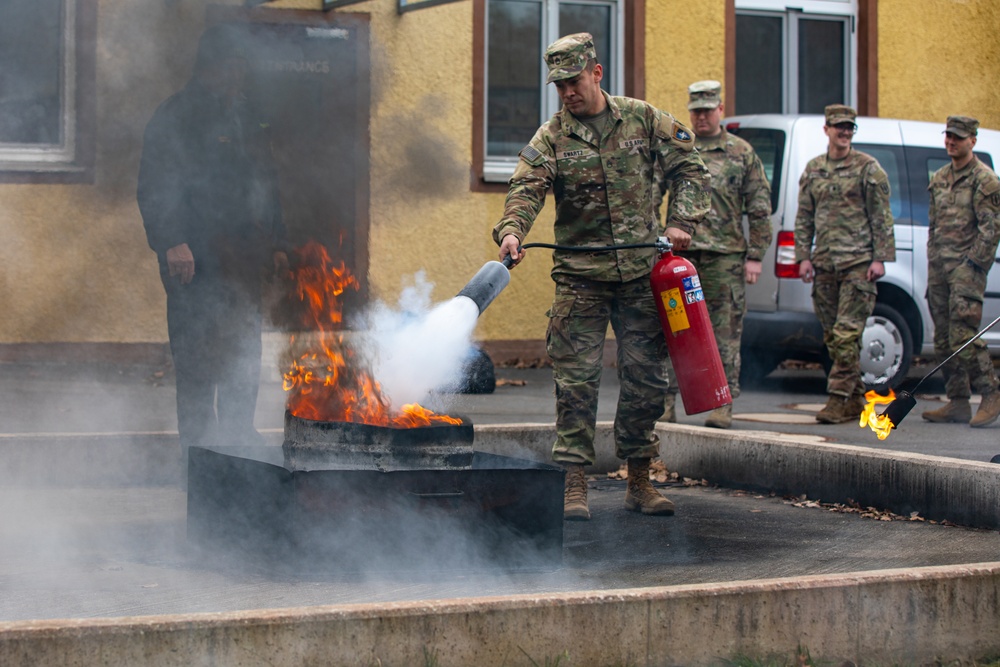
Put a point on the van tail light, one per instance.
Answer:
(785, 265)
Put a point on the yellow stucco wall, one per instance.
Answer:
(938, 58)
(76, 267)
(685, 42)
(76, 264)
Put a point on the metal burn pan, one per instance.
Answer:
(322, 445)
(499, 513)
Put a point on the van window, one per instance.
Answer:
(923, 162)
(891, 159)
(935, 163)
(770, 148)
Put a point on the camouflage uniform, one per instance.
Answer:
(844, 207)
(604, 196)
(962, 241)
(720, 249)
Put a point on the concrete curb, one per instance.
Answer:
(938, 488)
(891, 616)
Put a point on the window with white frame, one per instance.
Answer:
(517, 98)
(38, 57)
(795, 57)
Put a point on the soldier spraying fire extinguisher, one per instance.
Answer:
(598, 154)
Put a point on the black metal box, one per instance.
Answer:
(502, 513)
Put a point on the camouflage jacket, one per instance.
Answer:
(844, 207)
(738, 185)
(604, 189)
(964, 215)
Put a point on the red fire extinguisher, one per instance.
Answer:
(701, 377)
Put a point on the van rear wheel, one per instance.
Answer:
(886, 348)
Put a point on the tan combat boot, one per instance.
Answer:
(720, 417)
(957, 411)
(670, 408)
(640, 495)
(840, 409)
(575, 494)
(989, 410)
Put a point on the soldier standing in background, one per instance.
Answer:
(724, 258)
(962, 241)
(843, 208)
(208, 195)
(598, 153)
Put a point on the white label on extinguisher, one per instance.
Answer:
(673, 305)
(694, 296)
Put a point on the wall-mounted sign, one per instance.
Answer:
(410, 5)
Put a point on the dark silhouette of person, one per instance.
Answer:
(209, 201)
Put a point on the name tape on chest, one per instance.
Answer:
(567, 155)
(632, 143)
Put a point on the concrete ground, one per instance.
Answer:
(98, 548)
(102, 398)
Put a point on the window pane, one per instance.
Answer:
(891, 162)
(758, 64)
(31, 53)
(770, 148)
(935, 163)
(514, 95)
(821, 64)
(595, 19)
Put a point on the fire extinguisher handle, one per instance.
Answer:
(508, 261)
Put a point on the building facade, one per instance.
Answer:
(401, 120)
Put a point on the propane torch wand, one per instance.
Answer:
(905, 401)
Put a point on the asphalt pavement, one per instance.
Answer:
(117, 550)
(105, 398)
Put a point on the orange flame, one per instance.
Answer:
(878, 422)
(330, 383)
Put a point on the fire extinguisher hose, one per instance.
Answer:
(661, 245)
(589, 248)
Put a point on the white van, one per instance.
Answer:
(780, 323)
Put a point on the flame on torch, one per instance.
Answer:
(876, 420)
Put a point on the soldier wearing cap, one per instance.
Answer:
(964, 217)
(725, 258)
(843, 237)
(597, 154)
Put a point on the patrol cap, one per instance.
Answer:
(569, 55)
(839, 113)
(962, 126)
(704, 95)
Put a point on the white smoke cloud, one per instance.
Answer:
(417, 348)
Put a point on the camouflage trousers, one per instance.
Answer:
(955, 299)
(843, 301)
(724, 285)
(578, 326)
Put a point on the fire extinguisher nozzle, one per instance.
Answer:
(486, 284)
